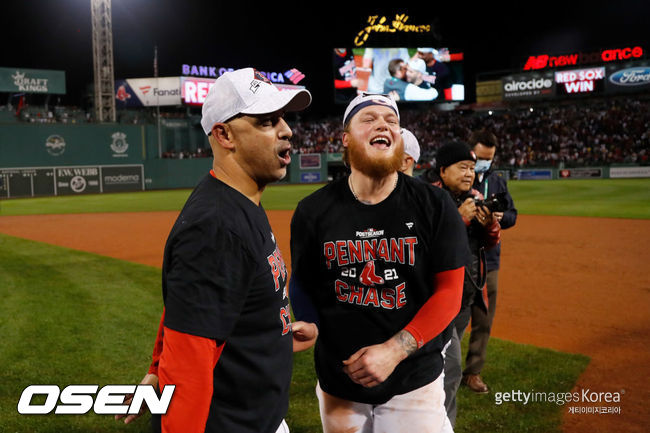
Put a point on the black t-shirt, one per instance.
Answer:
(368, 270)
(224, 278)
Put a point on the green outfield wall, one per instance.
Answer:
(59, 159)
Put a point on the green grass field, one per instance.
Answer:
(71, 317)
(615, 198)
(64, 322)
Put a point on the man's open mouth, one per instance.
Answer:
(380, 142)
(285, 156)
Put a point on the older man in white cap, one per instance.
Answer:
(378, 265)
(225, 339)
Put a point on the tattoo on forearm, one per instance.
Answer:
(407, 342)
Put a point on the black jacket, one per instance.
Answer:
(496, 184)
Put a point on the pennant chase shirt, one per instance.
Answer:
(368, 269)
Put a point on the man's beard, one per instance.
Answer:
(371, 166)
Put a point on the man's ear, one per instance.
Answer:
(407, 161)
(345, 139)
(222, 134)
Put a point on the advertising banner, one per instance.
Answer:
(310, 177)
(533, 85)
(489, 91)
(580, 81)
(148, 92)
(195, 90)
(310, 160)
(580, 173)
(534, 174)
(628, 172)
(76, 180)
(628, 78)
(21, 80)
(118, 178)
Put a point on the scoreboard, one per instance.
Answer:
(70, 180)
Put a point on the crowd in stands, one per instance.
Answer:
(201, 152)
(607, 131)
(580, 133)
(44, 114)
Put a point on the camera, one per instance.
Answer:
(495, 203)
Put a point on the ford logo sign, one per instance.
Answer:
(631, 77)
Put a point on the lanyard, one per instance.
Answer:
(485, 189)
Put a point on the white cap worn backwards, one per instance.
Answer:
(365, 100)
(411, 145)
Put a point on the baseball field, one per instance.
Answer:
(81, 301)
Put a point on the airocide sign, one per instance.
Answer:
(528, 86)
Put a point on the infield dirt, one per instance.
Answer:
(578, 285)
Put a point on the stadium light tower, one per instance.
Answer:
(103, 60)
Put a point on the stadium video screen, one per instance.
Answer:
(408, 74)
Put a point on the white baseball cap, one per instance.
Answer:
(411, 145)
(426, 50)
(365, 100)
(418, 65)
(247, 91)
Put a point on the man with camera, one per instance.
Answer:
(490, 184)
(454, 172)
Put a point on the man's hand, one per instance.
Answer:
(484, 216)
(468, 209)
(304, 335)
(371, 365)
(148, 379)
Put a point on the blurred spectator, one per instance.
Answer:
(586, 133)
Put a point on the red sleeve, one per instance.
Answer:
(492, 234)
(441, 308)
(342, 84)
(187, 361)
(157, 347)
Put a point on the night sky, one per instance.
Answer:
(48, 34)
